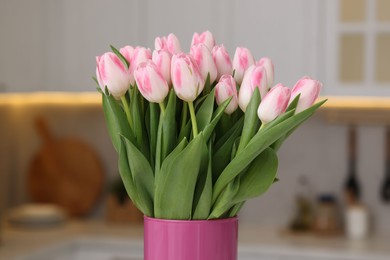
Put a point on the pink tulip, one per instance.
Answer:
(309, 90)
(274, 103)
(243, 58)
(186, 78)
(111, 72)
(205, 61)
(169, 43)
(162, 59)
(254, 77)
(206, 38)
(225, 89)
(151, 82)
(127, 52)
(222, 61)
(140, 55)
(269, 69)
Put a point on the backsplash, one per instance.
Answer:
(321, 157)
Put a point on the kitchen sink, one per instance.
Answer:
(124, 249)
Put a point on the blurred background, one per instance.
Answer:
(47, 59)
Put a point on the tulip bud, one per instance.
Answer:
(225, 89)
(186, 78)
(274, 103)
(150, 82)
(308, 89)
(170, 43)
(140, 55)
(222, 61)
(269, 69)
(254, 77)
(243, 58)
(204, 60)
(206, 38)
(162, 59)
(127, 52)
(111, 72)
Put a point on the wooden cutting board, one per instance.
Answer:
(66, 172)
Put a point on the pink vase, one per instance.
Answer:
(190, 239)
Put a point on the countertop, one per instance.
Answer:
(21, 241)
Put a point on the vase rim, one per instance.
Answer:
(219, 220)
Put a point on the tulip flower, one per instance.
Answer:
(206, 38)
(254, 77)
(151, 82)
(269, 69)
(186, 78)
(162, 59)
(222, 61)
(204, 60)
(225, 89)
(140, 55)
(274, 103)
(243, 58)
(170, 43)
(308, 89)
(113, 74)
(127, 52)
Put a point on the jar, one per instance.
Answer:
(327, 218)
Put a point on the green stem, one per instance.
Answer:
(262, 126)
(193, 118)
(158, 147)
(162, 107)
(127, 111)
(184, 117)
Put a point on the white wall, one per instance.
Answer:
(51, 45)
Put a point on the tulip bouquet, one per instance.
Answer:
(197, 133)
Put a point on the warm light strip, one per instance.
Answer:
(51, 98)
(94, 99)
(356, 103)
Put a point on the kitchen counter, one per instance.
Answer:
(20, 241)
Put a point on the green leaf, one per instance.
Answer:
(138, 126)
(205, 112)
(208, 130)
(293, 104)
(225, 200)
(252, 121)
(257, 145)
(207, 86)
(169, 126)
(259, 176)
(116, 121)
(97, 83)
(154, 121)
(168, 160)
(128, 182)
(235, 209)
(221, 157)
(185, 132)
(204, 187)
(142, 174)
(176, 185)
(238, 125)
(120, 56)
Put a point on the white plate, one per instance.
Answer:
(36, 215)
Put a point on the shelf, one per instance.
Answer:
(357, 110)
(338, 109)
